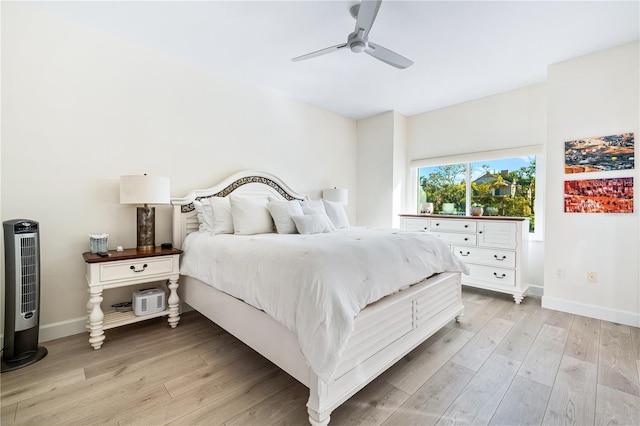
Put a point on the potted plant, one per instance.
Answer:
(476, 209)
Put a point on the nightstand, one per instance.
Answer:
(126, 268)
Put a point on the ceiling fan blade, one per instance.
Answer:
(367, 15)
(320, 52)
(388, 56)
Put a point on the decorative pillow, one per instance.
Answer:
(250, 215)
(316, 207)
(198, 206)
(335, 211)
(205, 215)
(281, 212)
(222, 219)
(313, 207)
(312, 224)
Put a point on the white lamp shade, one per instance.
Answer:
(336, 194)
(144, 190)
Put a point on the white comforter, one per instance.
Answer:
(315, 285)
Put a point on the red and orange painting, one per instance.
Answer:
(599, 195)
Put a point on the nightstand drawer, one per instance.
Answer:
(128, 269)
(500, 258)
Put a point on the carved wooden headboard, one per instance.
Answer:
(250, 183)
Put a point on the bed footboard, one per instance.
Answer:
(385, 332)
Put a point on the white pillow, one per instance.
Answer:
(312, 223)
(250, 215)
(316, 207)
(198, 206)
(281, 212)
(335, 211)
(313, 207)
(205, 215)
(222, 219)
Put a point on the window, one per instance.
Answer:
(503, 186)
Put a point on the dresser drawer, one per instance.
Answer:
(127, 269)
(415, 224)
(453, 225)
(500, 258)
(455, 238)
(488, 274)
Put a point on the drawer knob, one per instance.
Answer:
(437, 224)
(499, 276)
(466, 226)
(466, 238)
(464, 254)
(499, 259)
(133, 268)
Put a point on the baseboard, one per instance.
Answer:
(535, 290)
(592, 311)
(60, 329)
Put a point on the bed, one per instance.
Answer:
(381, 332)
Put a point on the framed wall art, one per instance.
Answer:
(613, 195)
(599, 154)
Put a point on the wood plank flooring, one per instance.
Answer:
(504, 364)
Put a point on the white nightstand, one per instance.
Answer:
(125, 268)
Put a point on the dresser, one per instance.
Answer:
(494, 248)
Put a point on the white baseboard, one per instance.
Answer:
(60, 329)
(535, 290)
(592, 311)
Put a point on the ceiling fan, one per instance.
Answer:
(365, 15)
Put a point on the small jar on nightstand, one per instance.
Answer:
(125, 268)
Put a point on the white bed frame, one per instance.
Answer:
(385, 331)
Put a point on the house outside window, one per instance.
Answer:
(502, 186)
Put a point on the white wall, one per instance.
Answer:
(507, 120)
(594, 95)
(382, 169)
(79, 109)
(375, 170)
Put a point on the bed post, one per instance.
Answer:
(178, 227)
(318, 393)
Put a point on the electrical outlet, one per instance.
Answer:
(560, 273)
(592, 277)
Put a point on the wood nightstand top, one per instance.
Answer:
(129, 253)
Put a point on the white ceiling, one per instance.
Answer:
(462, 49)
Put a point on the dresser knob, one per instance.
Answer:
(499, 276)
(498, 258)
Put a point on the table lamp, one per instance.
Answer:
(145, 190)
(336, 194)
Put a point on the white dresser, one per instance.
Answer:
(494, 248)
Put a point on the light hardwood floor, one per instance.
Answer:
(504, 364)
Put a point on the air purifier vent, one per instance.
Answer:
(29, 276)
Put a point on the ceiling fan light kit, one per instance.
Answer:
(365, 15)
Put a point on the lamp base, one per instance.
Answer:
(146, 227)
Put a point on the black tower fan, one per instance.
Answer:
(22, 294)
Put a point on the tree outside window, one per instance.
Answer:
(503, 187)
